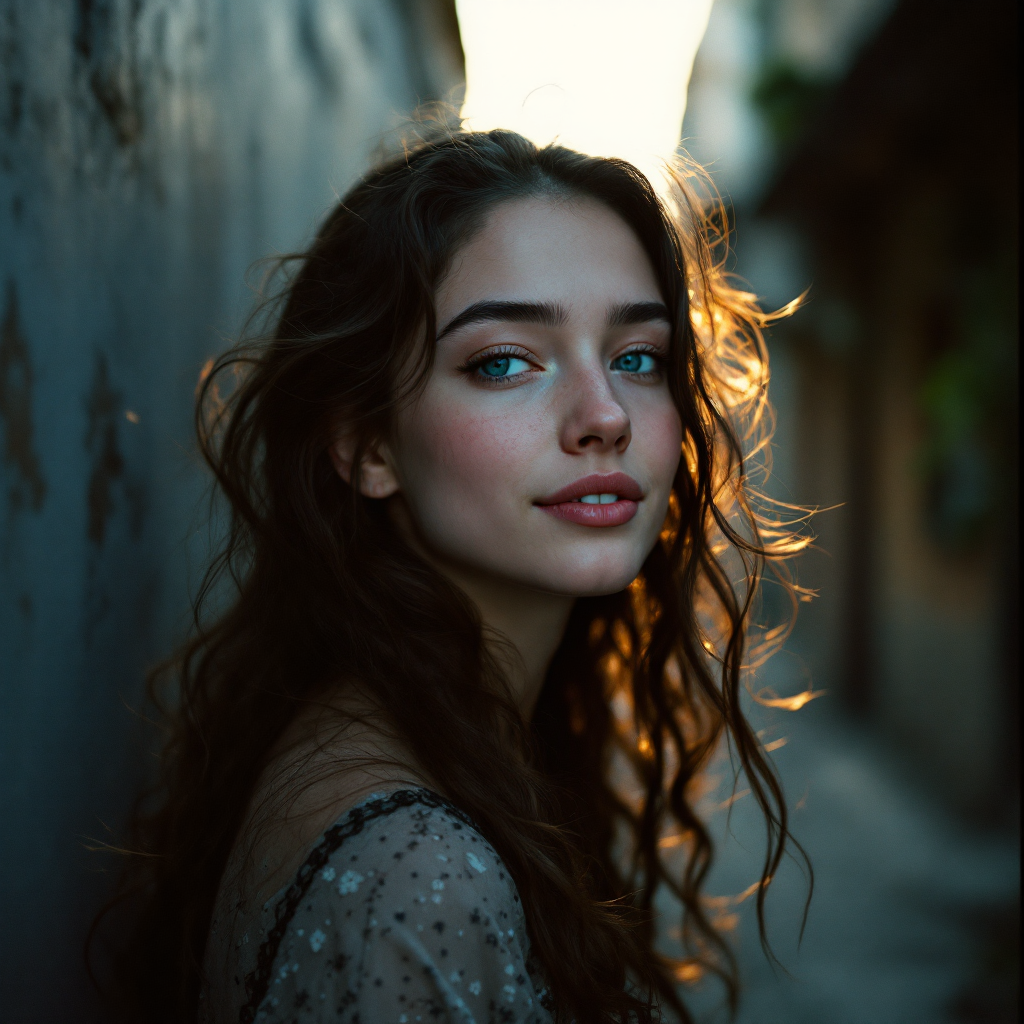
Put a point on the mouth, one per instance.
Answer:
(601, 499)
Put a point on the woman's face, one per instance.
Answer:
(542, 448)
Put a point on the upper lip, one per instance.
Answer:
(597, 483)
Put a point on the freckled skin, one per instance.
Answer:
(472, 457)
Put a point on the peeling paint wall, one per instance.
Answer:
(150, 150)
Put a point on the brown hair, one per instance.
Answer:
(322, 589)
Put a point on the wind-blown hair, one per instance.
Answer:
(314, 588)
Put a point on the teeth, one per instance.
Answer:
(599, 499)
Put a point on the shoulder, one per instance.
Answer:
(403, 904)
(413, 834)
(327, 763)
(418, 860)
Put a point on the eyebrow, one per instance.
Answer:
(638, 313)
(546, 313)
(550, 314)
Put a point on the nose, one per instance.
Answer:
(595, 421)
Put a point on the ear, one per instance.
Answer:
(377, 478)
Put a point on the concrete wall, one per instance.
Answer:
(149, 151)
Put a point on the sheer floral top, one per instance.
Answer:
(402, 912)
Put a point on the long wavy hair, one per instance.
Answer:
(313, 587)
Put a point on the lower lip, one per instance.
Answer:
(615, 514)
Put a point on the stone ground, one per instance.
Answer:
(914, 918)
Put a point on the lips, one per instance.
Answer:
(617, 497)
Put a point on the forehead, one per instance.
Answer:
(576, 252)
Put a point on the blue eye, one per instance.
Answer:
(496, 367)
(503, 366)
(635, 362)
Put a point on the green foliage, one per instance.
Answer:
(969, 401)
(786, 97)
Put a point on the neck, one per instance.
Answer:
(527, 626)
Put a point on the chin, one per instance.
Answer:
(596, 577)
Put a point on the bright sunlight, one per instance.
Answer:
(608, 77)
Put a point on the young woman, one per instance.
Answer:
(480, 618)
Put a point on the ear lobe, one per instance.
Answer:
(376, 477)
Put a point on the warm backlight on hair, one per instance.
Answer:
(767, 699)
(605, 77)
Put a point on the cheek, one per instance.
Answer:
(658, 431)
(459, 459)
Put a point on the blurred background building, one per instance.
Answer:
(876, 165)
(868, 152)
(151, 150)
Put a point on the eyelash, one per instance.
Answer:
(507, 351)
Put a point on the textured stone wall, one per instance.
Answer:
(150, 150)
